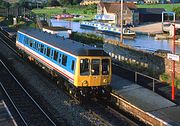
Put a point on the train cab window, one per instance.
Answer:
(105, 66)
(55, 55)
(95, 65)
(64, 60)
(72, 65)
(48, 51)
(84, 66)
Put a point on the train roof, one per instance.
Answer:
(73, 47)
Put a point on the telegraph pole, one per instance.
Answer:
(121, 40)
(173, 63)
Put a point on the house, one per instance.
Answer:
(110, 12)
(150, 14)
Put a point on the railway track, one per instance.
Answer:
(97, 113)
(26, 107)
(105, 114)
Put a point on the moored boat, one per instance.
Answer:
(91, 25)
(116, 31)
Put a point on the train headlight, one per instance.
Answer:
(85, 83)
(104, 80)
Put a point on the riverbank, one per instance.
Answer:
(148, 29)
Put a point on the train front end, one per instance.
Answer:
(94, 75)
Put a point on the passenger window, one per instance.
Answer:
(84, 66)
(55, 55)
(25, 40)
(30, 43)
(95, 67)
(36, 45)
(45, 50)
(72, 65)
(48, 51)
(59, 58)
(39, 47)
(105, 66)
(64, 60)
(42, 48)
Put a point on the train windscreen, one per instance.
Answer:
(105, 66)
(84, 66)
(95, 65)
(92, 67)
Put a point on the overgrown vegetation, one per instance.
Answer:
(89, 39)
(167, 79)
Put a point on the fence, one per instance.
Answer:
(143, 80)
(14, 11)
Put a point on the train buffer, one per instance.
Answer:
(150, 106)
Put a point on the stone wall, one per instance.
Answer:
(153, 64)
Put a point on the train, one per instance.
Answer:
(85, 70)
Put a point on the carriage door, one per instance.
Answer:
(95, 72)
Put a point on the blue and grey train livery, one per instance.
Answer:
(87, 70)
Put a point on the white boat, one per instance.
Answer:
(91, 25)
(114, 30)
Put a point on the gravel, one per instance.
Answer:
(59, 104)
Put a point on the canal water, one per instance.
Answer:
(142, 42)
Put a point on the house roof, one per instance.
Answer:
(115, 7)
(150, 10)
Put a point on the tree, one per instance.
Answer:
(4, 4)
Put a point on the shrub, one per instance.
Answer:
(178, 83)
(164, 77)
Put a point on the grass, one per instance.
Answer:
(167, 7)
(87, 12)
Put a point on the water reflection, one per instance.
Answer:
(143, 42)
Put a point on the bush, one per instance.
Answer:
(178, 84)
(89, 39)
(177, 11)
(164, 77)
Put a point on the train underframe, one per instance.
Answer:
(81, 93)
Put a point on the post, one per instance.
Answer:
(121, 40)
(153, 85)
(135, 77)
(173, 64)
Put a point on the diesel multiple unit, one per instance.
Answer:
(85, 69)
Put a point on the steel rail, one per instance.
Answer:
(27, 93)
